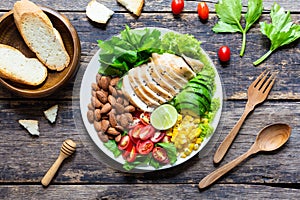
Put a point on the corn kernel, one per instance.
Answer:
(191, 147)
(183, 155)
(196, 147)
(199, 140)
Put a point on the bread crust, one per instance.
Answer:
(26, 9)
(7, 75)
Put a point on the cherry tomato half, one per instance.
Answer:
(133, 139)
(147, 132)
(160, 154)
(144, 147)
(158, 136)
(177, 6)
(203, 11)
(125, 143)
(224, 53)
(130, 154)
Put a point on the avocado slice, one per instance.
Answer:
(190, 109)
(200, 90)
(193, 98)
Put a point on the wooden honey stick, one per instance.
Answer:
(67, 149)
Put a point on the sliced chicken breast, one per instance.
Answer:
(196, 65)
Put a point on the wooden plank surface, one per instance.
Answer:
(25, 159)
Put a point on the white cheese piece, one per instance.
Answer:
(98, 12)
(32, 126)
(51, 113)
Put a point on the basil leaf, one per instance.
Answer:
(281, 31)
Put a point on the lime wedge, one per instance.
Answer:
(164, 117)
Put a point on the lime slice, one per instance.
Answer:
(164, 117)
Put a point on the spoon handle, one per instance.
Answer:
(52, 171)
(215, 175)
(224, 146)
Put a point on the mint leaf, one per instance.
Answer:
(281, 31)
(229, 13)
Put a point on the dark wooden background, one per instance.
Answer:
(25, 159)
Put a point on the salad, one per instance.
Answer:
(153, 100)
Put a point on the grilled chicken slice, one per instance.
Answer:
(154, 86)
(133, 98)
(137, 88)
(167, 65)
(160, 79)
(196, 65)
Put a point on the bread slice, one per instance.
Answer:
(51, 113)
(134, 6)
(40, 35)
(16, 67)
(98, 12)
(32, 126)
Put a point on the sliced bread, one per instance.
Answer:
(51, 113)
(40, 35)
(134, 6)
(16, 67)
(98, 12)
(32, 126)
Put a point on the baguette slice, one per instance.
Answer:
(40, 35)
(16, 67)
(134, 6)
(32, 126)
(98, 12)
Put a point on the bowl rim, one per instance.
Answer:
(73, 65)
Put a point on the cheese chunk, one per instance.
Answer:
(98, 12)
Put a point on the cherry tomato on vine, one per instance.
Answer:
(224, 53)
(177, 6)
(203, 11)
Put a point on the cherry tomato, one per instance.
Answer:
(145, 118)
(144, 146)
(125, 143)
(177, 6)
(147, 132)
(160, 154)
(158, 135)
(130, 154)
(203, 11)
(133, 139)
(137, 130)
(224, 53)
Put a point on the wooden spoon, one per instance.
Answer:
(67, 149)
(269, 138)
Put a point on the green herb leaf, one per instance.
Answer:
(229, 12)
(112, 146)
(281, 31)
(171, 151)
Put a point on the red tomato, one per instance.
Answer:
(177, 6)
(134, 140)
(125, 143)
(203, 11)
(130, 154)
(137, 130)
(144, 147)
(147, 132)
(224, 53)
(160, 154)
(158, 135)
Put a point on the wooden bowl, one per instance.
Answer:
(10, 35)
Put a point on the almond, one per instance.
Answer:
(119, 108)
(112, 131)
(118, 138)
(129, 117)
(124, 121)
(112, 100)
(101, 96)
(129, 108)
(95, 87)
(90, 116)
(112, 120)
(120, 100)
(112, 91)
(97, 126)
(104, 125)
(98, 77)
(102, 136)
(96, 103)
(104, 82)
(97, 114)
(114, 81)
(106, 108)
(90, 106)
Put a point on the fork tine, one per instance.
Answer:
(254, 83)
(267, 87)
(262, 81)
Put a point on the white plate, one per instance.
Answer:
(85, 98)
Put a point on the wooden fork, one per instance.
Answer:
(257, 93)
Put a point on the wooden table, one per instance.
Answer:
(25, 159)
